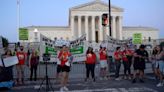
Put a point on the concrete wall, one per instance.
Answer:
(51, 33)
(146, 33)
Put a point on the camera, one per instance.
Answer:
(46, 57)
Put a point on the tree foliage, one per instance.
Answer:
(5, 42)
(162, 43)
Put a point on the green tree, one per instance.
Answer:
(162, 44)
(5, 42)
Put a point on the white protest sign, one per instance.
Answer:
(9, 61)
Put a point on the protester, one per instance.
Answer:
(117, 57)
(8, 53)
(90, 63)
(64, 66)
(140, 56)
(154, 62)
(33, 63)
(160, 64)
(58, 68)
(20, 66)
(127, 61)
(103, 62)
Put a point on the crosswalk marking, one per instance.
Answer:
(132, 89)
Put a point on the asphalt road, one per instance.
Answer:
(78, 85)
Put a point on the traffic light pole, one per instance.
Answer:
(110, 31)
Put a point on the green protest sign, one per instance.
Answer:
(23, 34)
(77, 50)
(137, 38)
(50, 50)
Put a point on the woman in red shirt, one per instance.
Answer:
(63, 56)
(90, 63)
(117, 57)
(103, 62)
(127, 61)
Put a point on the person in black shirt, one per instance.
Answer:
(140, 56)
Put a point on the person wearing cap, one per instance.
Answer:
(90, 64)
(140, 56)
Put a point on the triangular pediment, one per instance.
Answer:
(96, 5)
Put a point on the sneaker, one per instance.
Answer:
(129, 78)
(101, 78)
(105, 78)
(94, 80)
(134, 81)
(61, 89)
(125, 77)
(117, 79)
(141, 80)
(159, 84)
(65, 88)
(86, 79)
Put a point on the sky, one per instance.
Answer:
(147, 13)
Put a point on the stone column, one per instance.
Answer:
(79, 26)
(72, 27)
(120, 27)
(114, 26)
(93, 28)
(100, 29)
(86, 28)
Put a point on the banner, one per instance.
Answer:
(137, 38)
(23, 34)
(77, 48)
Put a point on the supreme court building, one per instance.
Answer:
(87, 19)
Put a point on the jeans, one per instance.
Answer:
(117, 65)
(33, 69)
(90, 68)
(127, 65)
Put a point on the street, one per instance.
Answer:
(78, 85)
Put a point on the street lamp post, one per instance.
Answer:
(18, 18)
(110, 33)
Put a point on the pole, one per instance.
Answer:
(110, 32)
(18, 18)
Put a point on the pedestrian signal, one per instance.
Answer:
(104, 19)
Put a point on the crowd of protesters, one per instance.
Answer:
(28, 58)
(131, 59)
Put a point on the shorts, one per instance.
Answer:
(161, 66)
(139, 65)
(20, 68)
(65, 68)
(58, 69)
(103, 64)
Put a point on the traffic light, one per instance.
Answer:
(104, 19)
